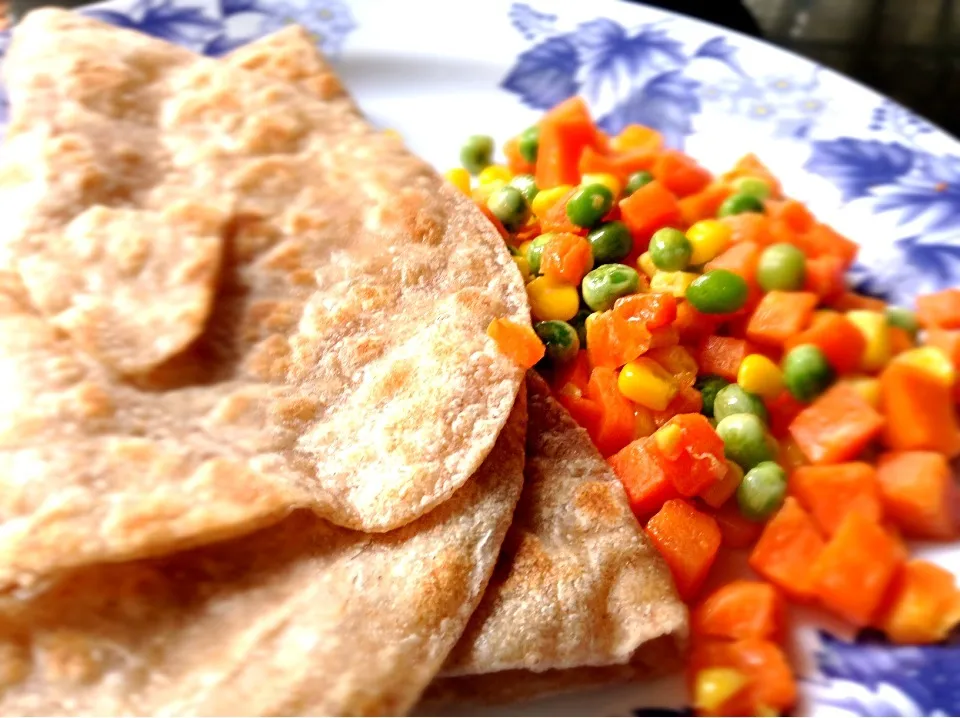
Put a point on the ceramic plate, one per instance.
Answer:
(438, 70)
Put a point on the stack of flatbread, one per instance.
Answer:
(258, 454)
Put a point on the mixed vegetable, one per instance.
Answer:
(701, 331)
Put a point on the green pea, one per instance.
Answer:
(745, 440)
(782, 267)
(738, 204)
(636, 181)
(535, 251)
(904, 319)
(762, 490)
(670, 249)
(509, 206)
(589, 204)
(753, 186)
(806, 372)
(477, 153)
(709, 386)
(529, 143)
(607, 283)
(610, 242)
(732, 399)
(719, 291)
(579, 322)
(560, 340)
(527, 186)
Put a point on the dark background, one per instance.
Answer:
(907, 49)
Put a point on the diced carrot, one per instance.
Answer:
(517, 163)
(789, 456)
(749, 227)
(852, 574)
(688, 540)
(705, 203)
(556, 220)
(643, 421)
(680, 173)
(781, 315)
(694, 460)
(918, 493)
(585, 411)
(565, 131)
(918, 605)
(687, 401)
(851, 300)
(947, 341)
(655, 310)
(603, 142)
(836, 427)
(836, 336)
(637, 137)
(722, 356)
(617, 424)
(632, 161)
(693, 326)
(594, 162)
(614, 339)
(567, 257)
(940, 310)
(722, 491)
(648, 209)
(517, 341)
(643, 478)
(793, 213)
(822, 240)
(771, 685)
(736, 531)
(741, 258)
(783, 410)
(831, 492)
(740, 609)
(678, 361)
(788, 547)
(576, 372)
(825, 277)
(664, 337)
(488, 213)
(920, 411)
(900, 340)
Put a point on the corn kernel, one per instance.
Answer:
(643, 422)
(931, 360)
(459, 178)
(715, 686)
(546, 198)
(709, 237)
(492, 173)
(552, 299)
(760, 376)
(668, 439)
(874, 327)
(605, 179)
(867, 387)
(481, 193)
(674, 283)
(647, 383)
(646, 265)
(524, 248)
(524, 266)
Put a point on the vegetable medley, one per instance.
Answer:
(701, 331)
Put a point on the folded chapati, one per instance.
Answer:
(226, 300)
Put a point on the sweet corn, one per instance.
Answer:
(524, 266)
(709, 237)
(606, 179)
(481, 193)
(931, 360)
(760, 376)
(546, 198)
(459, 178)
(674, 283)
(524, 248)
(647, 383)
(645, 264)
(643, 422)
(715, 686)
(552, 299)
(874, 327)
(868, 387)
(492, 173)
(668, 439)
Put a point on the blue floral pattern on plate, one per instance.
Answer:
(683, 77)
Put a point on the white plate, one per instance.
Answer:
(439, 70)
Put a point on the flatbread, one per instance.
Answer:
(301, 618)
(326, 344)
(577, 584)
